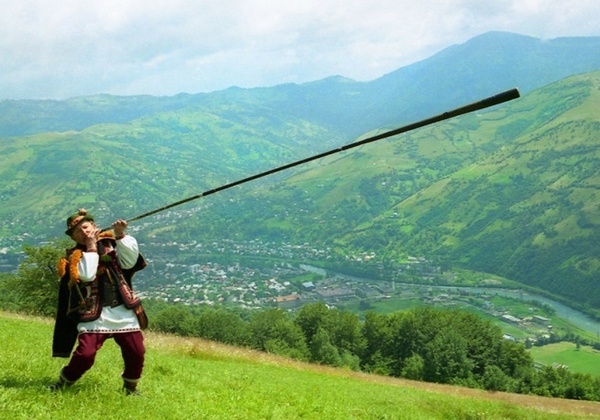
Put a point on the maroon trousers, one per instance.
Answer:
(132, 350)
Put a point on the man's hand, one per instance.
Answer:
(119, 227)
(91, 238)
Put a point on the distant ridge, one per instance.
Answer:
(487, 64)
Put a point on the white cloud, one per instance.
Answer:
(62, 48)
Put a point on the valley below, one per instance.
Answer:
(256, 275)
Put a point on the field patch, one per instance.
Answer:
(583, 360)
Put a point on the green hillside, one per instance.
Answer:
(191, 378)
(146, 162)
(530, 209)
(513, 191)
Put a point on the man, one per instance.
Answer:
(96, 301)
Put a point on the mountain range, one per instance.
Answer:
(512, 190)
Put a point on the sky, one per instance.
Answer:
(57, 49)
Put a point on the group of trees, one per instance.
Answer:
(427, 344)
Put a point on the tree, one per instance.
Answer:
(175, 320)
(446, 358)
(342, 328)
(484, 340)
(494, 379)
(311, 317)
(9, 300)
(414, 368)
(411, 332)
(273, 331)
(223, 326)
(345, 331)
(378, 364)
(322, 351)
(35, 285)
(376, 332)
(513, 359)
(349, 360)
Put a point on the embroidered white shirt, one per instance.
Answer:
(112, 320)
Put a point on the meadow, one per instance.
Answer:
(197, 379)
(583, 359)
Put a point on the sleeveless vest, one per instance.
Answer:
(109, 288)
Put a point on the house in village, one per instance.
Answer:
(288, 301)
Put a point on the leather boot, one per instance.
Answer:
(61, 383)
(130, 387)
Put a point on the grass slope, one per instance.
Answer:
(191, 378)
(583, 359)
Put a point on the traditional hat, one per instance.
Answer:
(81, 216)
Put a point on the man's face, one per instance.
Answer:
(81, 232)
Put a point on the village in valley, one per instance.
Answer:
(255, 275)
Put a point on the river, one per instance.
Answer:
(573, 316)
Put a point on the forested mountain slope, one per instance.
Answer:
(530, 210)
(514, 191)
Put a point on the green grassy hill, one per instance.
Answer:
(512, 191)
(191, 378)
(529, 210)
(114, 168)
(576, 358)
